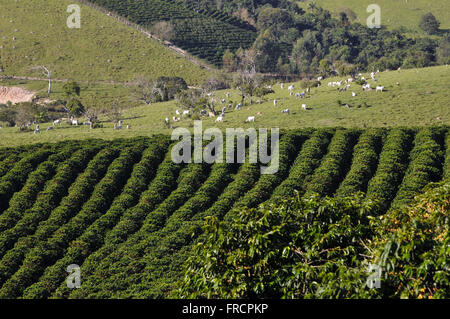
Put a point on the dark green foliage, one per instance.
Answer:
(391, 166)
(425, 165)
(365, 160)
(429, 23)
(289, 250)
(335, 164)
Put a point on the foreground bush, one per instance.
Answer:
(321, 248)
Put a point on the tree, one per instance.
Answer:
(48, 74)
(429, 23)
(229, 62)
(91, 114)
(163, 30)
(75, 107)
(443, 51)
(25, 113)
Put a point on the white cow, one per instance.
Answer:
(219, 118)
(353, 94)
(55, 122)
(282, 85)
(227, 95)
(380, 88)
(275, 102)
(75, 122)
(304, 107)
(286, 111)
(250, 119)
(186, 112)
(291, 87)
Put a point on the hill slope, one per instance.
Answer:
(202, 33)
(36, 33)
(416, 97)
(394, 13)
(125, 212)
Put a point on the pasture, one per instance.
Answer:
(35, 33)
(420, 98)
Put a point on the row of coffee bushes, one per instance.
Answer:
(304, 165)
(24, 199)
(447, 157)
(16, 177)
(190, 179)
(45, 253)
(364, 163)
(11, 155)
(161, 187)
(425, 165)
(164, 261)
(162, 244)
(93, 237)
(18, 216)
(43, 219)
(335, 164)
(181, 241)
(391, 167)
(289, 146)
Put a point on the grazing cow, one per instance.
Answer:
(304, 107)
(275, 102)
(37, 130)
(219, 118)
(291, 87)
(320, 78)
(167, 121)
(250, 119)
(238, 107)
(286, 111)
(353, 94)
(128, 127)
(291, 93)
(186, 112)
(50, 128)
(55, 122)
(222, 101)
(177, 112)
(176, 119)
(227, 95)
(380, 88)
(230, 106)
(118, 127)
(301, 95)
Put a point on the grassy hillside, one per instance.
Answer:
(102, 49)
(394, 13)
(125, 212)
(420, 98)
(202, 33)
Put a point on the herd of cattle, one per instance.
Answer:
(341, 86)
